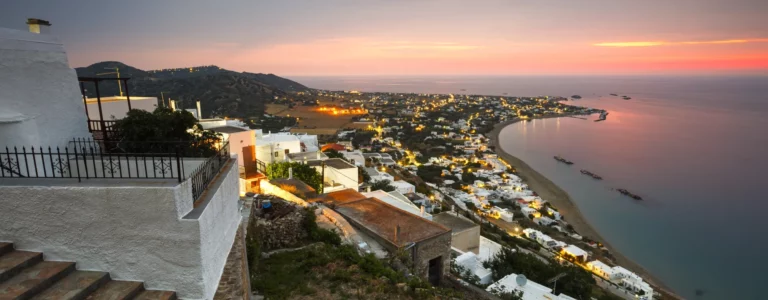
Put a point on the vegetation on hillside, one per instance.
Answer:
(302, 172)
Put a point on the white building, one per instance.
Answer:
(575, 252)
(392, 199)
(530, 290)
(601, 269)
(355, 157)
(338, 174)
(501, 213)
(160, 218)
(471, 262)
(404, 187)
(275, 147)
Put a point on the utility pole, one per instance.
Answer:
(162, 99)
(117, 71)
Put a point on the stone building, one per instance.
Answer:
(427, 243)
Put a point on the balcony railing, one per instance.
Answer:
(205, 174)
(88, 162)
(87, 159)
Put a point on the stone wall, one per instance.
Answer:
(283, 232)
(235, 281)
(271, 189)
(426, 250)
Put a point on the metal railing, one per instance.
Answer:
(99, 125)
(88, 162)
(205, 174)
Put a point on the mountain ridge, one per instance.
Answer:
(221, 92)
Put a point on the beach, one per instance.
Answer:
(560, 199)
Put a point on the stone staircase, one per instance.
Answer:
(25, 275)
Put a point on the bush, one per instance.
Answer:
(302, 172)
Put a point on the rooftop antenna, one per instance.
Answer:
(117, 71)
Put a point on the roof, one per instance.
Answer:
(381, 219)
(336, 147)
(455, 223)
(312, 155)
(339, 197)
(229, 129)
(575, 251)
(596, 264)
(338, 163)
(397, 202)
(276, 138)
(402, 183)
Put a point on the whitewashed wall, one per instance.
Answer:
(132, 229)
(36, 80)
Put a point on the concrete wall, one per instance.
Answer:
(134, 231)
(115, 108)
(271, 189)
(36, 80)
(240, 140)
(467, 240)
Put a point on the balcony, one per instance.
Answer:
(164, 213)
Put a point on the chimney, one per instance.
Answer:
(199, 111)
(318, 154)
(39, 26)
(290, 173)
(368, 188)
(173, 104)
(422, 210)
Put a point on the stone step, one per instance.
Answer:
(35, 279)
(5, 248)
(156, 295)
(76, 286)
(117, 290)
(13, 262)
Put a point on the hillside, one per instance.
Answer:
(221, 92)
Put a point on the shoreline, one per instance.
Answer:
(549, 191)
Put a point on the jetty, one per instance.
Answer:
(590, 174)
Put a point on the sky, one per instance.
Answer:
(412, 37)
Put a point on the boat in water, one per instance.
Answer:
(563, 160)
(602, 117)
(616, 95)
(590, 174)
(629, 194)
(626, 97)
(576, 97)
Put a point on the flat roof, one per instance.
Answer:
(336, 163)
(382, 218)
(302, 189)
(228, 129)
(454, 222)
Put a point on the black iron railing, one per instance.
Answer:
(261, 167)
(88, 162)
(205, 174)
(194, 148)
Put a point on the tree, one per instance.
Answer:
(363, 175)
(384, 185)
(332, 153)
(302, 172)
(143, 131)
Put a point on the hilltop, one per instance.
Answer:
(221, 92)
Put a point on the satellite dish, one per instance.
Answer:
(521, 280)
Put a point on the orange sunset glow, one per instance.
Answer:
(488, 37)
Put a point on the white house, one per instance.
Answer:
(392, 199)
(601, 269)
(471, 262)
(543, 221)
(355, 157)
(530, 290)
(338, 174)
(501, 213)
(275, 147)
(576, 253)
(404, 187)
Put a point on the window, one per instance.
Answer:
(277, 153)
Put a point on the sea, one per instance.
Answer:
(694, 147)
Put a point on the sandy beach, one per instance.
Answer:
(560, 199)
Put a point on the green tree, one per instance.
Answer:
(302, 172)
(363, 174)
(384, 185)
(332, 153)
(143, 131)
